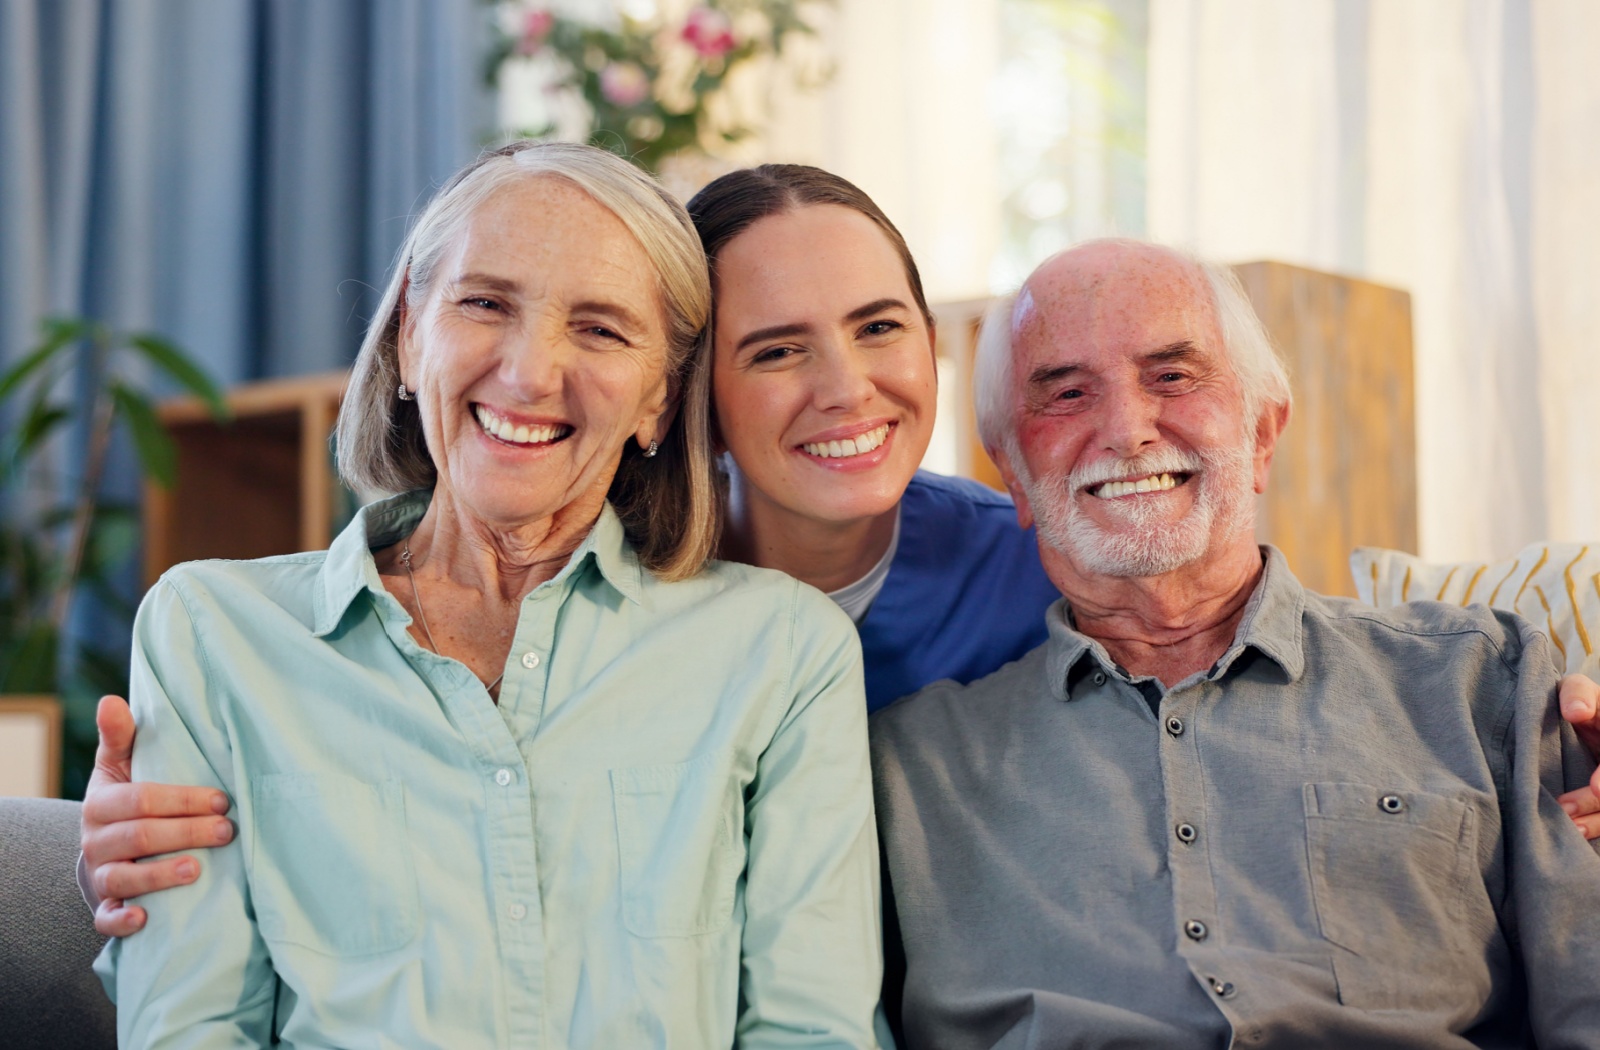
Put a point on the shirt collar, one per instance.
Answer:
(350, 569)
(1271, 625)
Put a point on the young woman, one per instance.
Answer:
(824, 387)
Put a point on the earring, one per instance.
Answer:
(404, 394)
(650, 452)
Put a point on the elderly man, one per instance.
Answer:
(1215, 809)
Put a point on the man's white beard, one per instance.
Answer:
(1147, 543)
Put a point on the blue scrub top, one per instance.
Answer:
(965, 592)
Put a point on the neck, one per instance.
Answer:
(505, 561)
(827, 555)
(1169, 626)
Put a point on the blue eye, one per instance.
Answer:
(480, 302)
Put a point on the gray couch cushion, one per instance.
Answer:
(49, 998)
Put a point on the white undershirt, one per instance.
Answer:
(856, 598)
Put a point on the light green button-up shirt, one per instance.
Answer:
(662, 836)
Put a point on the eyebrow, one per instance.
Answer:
(877, 306)
(784, 331)
(1179, 351)
(489, 280)
(777, 331)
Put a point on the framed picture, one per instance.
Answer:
(30, 746)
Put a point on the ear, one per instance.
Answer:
(1019, 496)
(660, 411)
(405, 337)
(1268, 428)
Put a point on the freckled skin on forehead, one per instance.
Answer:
(1120, 298)
(615, 264)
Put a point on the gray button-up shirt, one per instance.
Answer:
(1342, 835)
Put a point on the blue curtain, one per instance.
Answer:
(235, 174)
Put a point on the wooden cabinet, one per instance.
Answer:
(1345, 472)
(262, 484)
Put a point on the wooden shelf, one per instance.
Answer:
(260, 485)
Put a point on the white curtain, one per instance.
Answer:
(1447, 147)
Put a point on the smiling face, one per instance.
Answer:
(1132, 450)
(824, 379)
(539, 350)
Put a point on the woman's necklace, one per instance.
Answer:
(416, 596)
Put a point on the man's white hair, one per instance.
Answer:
(1262, 377)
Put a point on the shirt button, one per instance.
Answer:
(530, 660)
(502, 777)
(1099, 678)
(1224, 989)
(518, 912)
(1186, 833)
(1195, 929)
(1392, 804)
(1175, 725)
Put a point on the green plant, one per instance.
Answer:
(59, 538)
(653, 87)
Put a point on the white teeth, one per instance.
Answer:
(1154, 483)
(517, 433)
(849, 446)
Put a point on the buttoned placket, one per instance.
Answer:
(498, 734)
(1194, 896)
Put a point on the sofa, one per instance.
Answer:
(49, 998)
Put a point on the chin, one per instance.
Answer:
(842, 508)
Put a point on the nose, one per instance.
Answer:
(1128, 423)
(534, 361)
(843, 379)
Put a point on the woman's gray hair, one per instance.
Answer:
(668, 504)
(1263, 380)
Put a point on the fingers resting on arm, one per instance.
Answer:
(1580, 705)
(123, 822)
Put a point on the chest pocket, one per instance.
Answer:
(330, 867)
(680, 846)
(1395, 881)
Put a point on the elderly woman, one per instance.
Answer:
(511, 764)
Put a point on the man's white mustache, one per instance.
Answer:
(1156, 461)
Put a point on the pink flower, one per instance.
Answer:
(624, 84)
(536, 26)
(709, 32)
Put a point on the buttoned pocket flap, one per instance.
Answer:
(680, 846)
(331, 868)
(1391, 876)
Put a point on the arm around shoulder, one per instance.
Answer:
(199, 975)
(1554, 872)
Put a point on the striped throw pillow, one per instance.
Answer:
(1554, 586)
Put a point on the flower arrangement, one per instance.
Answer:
(653, 87)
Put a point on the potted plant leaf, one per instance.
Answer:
(60, 537)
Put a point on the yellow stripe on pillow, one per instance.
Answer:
(1523, 585)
